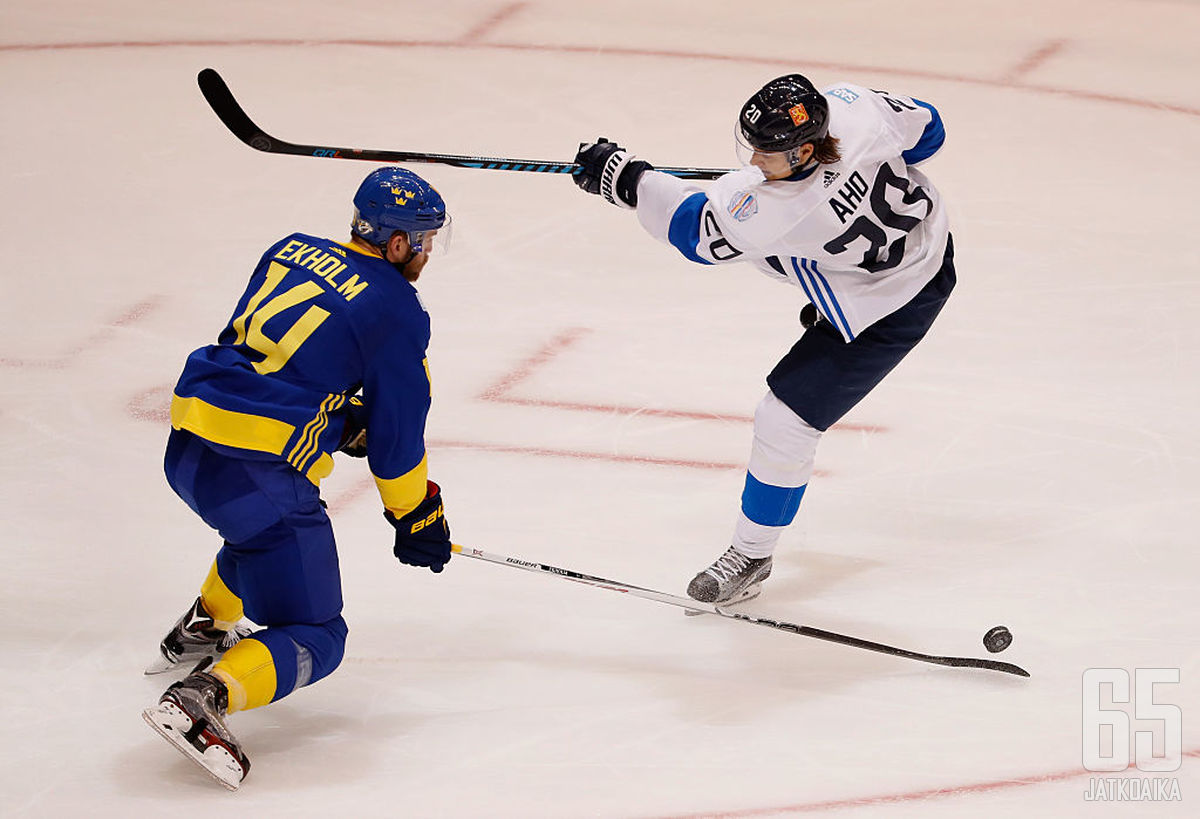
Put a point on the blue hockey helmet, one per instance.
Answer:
(392, 199)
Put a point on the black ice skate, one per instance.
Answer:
(193, 637)
(733, 578)
(191, 716)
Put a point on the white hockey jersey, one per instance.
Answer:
(861, 236)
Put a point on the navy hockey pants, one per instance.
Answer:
(279, 554)
(823, 376)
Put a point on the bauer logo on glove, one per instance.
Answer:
(429, 521)
(423, 535)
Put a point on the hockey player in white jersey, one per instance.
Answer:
(828, 200)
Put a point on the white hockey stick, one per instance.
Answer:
(709, 608)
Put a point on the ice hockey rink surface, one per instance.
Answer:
(1035, 462)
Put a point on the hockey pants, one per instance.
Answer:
(278, 565)
(812, 387)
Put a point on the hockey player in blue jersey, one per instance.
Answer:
(255, 421)
(829, 200)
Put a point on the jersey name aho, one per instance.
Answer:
(861, 236)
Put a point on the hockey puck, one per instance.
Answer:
(997, 639)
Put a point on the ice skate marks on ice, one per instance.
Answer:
(200, 746)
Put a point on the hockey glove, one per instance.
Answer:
(423, 536)
(809, 316)
(354, 433)
(609, 170)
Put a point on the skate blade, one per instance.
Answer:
(161, 665)
(184, 663)
(748, 594)
(171, 724)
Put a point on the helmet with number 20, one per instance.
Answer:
(783, 116)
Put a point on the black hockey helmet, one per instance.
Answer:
(786, 113)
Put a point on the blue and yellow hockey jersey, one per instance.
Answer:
(319, 321)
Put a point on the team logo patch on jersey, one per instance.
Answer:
(843, 94)
(743, 206)
(798, 114)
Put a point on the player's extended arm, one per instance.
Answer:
(610, 171)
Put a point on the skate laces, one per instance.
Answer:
(729, 565)
(231, 638)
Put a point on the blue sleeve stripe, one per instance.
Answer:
(769, 505)
(684, 231)
(931, 140)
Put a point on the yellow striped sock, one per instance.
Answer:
(248, 671)
(222, 605)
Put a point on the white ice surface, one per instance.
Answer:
(1036, 462)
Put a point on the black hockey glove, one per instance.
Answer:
(809, 316)
(423, 536)
(609, 170)
(354, 433)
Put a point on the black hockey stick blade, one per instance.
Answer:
(226, 107)
(858, 642)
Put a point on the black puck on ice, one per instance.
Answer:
(997, 639)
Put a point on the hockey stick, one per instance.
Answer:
(708, 608)
(222, 101)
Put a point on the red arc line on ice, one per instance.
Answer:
(132, 315)
(499, 391)
(911, 796)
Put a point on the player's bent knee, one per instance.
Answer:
(775, 420)
(327, 644)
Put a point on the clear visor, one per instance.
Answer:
(433, 242)
(774, 164)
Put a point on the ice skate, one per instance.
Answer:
(193, 637)
(191, 716)
(732, 578)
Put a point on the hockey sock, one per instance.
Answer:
(248, 671)
(222, 605)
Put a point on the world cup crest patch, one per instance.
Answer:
(743, 205)
(798, 114)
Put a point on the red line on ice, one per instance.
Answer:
(910, 796)
(1035, 60)
(610, 51)
(612, 457)
(498, 391)
(131, 315)
(490, 23)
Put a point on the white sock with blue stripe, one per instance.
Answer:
(781, 463)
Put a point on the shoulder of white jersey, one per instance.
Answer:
(865, 124)
(753, 213)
